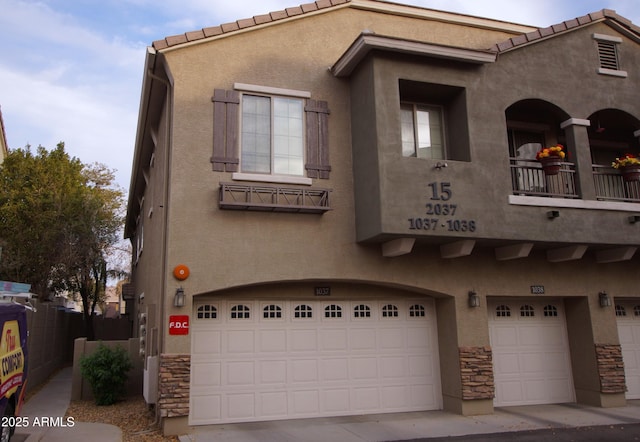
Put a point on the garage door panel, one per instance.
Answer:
(241, 405)
(273, 404)
(530, 353)
(506, 363)
(206, 408)
(393, 367)
(287, 367)
(304, 370)
(363, 369)
(240, 341)
(336, 400)
(272, 372)
(363, 339)
(304, 340)
(422, 396)
(208, 342)
(335, 369)
(365, 398)
(306, 402)
(240, 373)
(206, 375)
(392, 339)
(272, 341)
(629, 334)
(333, 339)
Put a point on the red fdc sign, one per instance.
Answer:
(178, 325)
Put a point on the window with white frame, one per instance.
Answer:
(422, 131)
(272, 135)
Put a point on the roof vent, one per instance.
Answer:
(608, 55)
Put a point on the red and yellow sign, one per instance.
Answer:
(11, 359)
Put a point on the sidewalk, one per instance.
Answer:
(45, 415)
(419, 425)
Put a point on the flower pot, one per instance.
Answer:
(630, 173)
(551, 165)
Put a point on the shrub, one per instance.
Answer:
(106, 371)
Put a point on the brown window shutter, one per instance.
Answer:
(317, 115)
(225, 130)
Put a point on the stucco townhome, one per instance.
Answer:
(336, 209)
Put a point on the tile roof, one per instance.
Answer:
(512, 43)
(542, 33)
(245, 23)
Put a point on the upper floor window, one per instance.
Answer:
(270, 132)
(272, 135)
(433, 121)
(422, 131)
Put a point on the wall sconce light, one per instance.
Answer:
(474, 299)
(551, 214)
(605, 300)
(439, 165)
(634, 219)
(178, 300)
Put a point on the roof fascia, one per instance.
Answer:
(443, 16)
(235, 28)
(259, 22)
(366, 43)
(143, 112)
(608, 17)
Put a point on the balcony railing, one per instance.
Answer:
(527, 178)
(273, 198)
(610, 185)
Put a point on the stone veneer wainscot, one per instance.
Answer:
(476, 373)
(173, 388)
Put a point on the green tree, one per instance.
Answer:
(59, 220)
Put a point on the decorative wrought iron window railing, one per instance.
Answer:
(273, 198)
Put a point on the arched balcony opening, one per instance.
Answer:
(533, 124)
(613, 134)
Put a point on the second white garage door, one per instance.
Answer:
(256, 360)
(530, 352)
(628, 316)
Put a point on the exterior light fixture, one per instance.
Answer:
(551, 214)
(474, 299)
(605, 300)
(178, 300)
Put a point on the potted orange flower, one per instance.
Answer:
(629, 167)
(551, 159)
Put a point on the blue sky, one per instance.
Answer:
(71, 70)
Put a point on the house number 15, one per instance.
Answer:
(441, 191)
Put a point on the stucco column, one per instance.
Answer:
(575, 130)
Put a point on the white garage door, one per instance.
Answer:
(628, 316)
(530, 352)
(256, 360)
